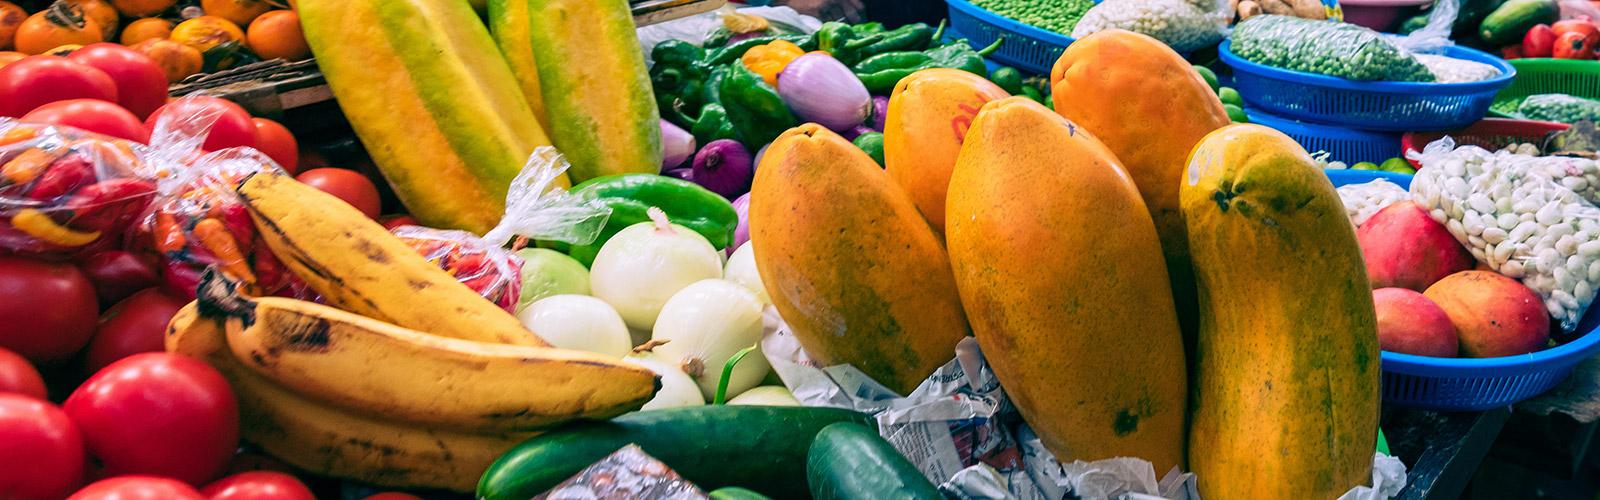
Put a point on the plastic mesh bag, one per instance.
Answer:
(534, 209)
(1334, 49)
(1184, 26)
(1559, 108)
(66, 192)
(1513, 216)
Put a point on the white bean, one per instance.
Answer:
(1523, 231)
(1566, 245)
(1549, 214)
(1512, 269)
(1506, 221)
(1480, 203)
(1456, 230)
(1494, 235)
(1584, 291)
(1594, 271)
(1590, 248)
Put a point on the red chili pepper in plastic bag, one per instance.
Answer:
(237, 220)
(110, 204)
(27, 166)
(215, 237)
(65, 175)
(270, 273)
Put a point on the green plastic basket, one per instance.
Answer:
(1548, 76)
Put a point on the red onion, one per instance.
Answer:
(818, 88)
(856, 131)
(742, 234)
(880, 112)
(724, 167)
(677, 145)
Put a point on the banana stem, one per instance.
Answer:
(727, 373)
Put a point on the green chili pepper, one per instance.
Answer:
(908, 37)
(833, 35)
(872, 143)
(960, 56)
(882, 82)
(755, 108)
(712, 124)
(1008, 78)
(892, 60)
(869, 28)
(631, 195)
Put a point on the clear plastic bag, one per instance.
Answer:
(66, 192)
(1517, 218)
(1182, 25)
(535, 209)
(1452, 70)
(1334, 49)
(1363, 200)
(1559, 108)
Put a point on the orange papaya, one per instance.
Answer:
(1061, 276)
(1150, 107)
(1286, 378)
(929, 114)
(850, 265)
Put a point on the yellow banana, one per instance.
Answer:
(393, 373)
(330, 441)
(358, 266)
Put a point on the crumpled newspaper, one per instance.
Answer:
(962, 432)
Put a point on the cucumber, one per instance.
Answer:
(736, 493)
(1508, 23)
(758, 447)
(849, 461)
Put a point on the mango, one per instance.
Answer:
(1061, 275)
(929, 114)
(1410, 323)
(1494, 315)
(849, 262)
(1404, 247)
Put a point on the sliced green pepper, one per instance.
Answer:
(630, 196)
(755, 108)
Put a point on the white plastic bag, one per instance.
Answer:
(1183, 25)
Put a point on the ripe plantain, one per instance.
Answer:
(331, 441)
(393, 373)
(358, 266)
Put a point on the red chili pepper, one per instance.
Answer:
(64, 176)
(110, 204)
(180, 279)
(215, 237)
(237, 219)
(169, 237)
(270, 273)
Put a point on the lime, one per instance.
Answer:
(546, 272)
(1366, 165)
(1206, 73)
(1230, 96)
(1397, 165)
(1236, 113)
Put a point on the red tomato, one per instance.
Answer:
(259, 485)
(136, 325)
(47, 310)
(1578, 25)
(41, 80)
(392, 495)
(275, 140)
(159, 414)
(393, 221)
(137, 488)
(141, 84)
(117, 274)
(1539, 41)
(232, 128)
(1575, 45)
(93, 115)
(348, 185)
(18, 376)
(41, 451)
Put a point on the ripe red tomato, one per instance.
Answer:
(392, 495)
(136, 325)
(348, 185)
(40, 80)
(141, 84)
(117, 274)
(159, 414)
(393, 221)
(275, 140)
(137, 488)
(1575, 45)
(41, 451)
(1577, 25)
(93, 115)
(48, 309)
(232, 128)
(18, 376)
(258, 485)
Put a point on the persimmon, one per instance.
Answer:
(277, 35)
(9, 57)
(102, 13)
(63, 50)
(11, 16)
(239, 12)
(145, 29)
(205, 32)
(142, 8)
(177, 60)
(60, 24)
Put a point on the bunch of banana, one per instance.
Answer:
(409, 381)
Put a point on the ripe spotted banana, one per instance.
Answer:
(330, 441)
(358, 266)
(393, 373)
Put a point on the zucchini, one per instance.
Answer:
(758, 447)
(1509, 22)
(736, 493)
(849, 461)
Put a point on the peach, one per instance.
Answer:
(1405, 248)
(1410, 323)
(1494, 315)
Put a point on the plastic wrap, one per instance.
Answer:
(535, 209)
(1516, 214)
(1334, 49)
(1559, 108)
(66, 192)
(1452, 70)
(628, 473)
(1363, 200)
(1184, 26)
(695, 29)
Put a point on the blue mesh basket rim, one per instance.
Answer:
(1007, 24)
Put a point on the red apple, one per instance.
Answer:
(1494, 315)
(1410, 323)
(1405, 248)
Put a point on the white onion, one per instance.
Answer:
(637, 270)
(677, 389)
(705, 324)
(742, 270)
(766, 395)
(578, 322)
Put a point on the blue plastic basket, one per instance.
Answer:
(1392, 106)
(1027, 48)
(1342, 143)
(1474, 384)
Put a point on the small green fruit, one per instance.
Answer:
(546, 272)
(1366, 165)
(1206, 73)
(1236, 113)
(1397, 165)
(1230, 96)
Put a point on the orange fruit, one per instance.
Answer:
(142, 8)
(145, 29)
(9, 57)
(205, 32)
(276, 35)
(102, 13)
(177, 60)
(60, 24)
(11, 17)
(239, 12)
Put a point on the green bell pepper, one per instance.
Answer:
(630, 196)
(755, 108)
(872, 143)
(712, 124)
(676, 53)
